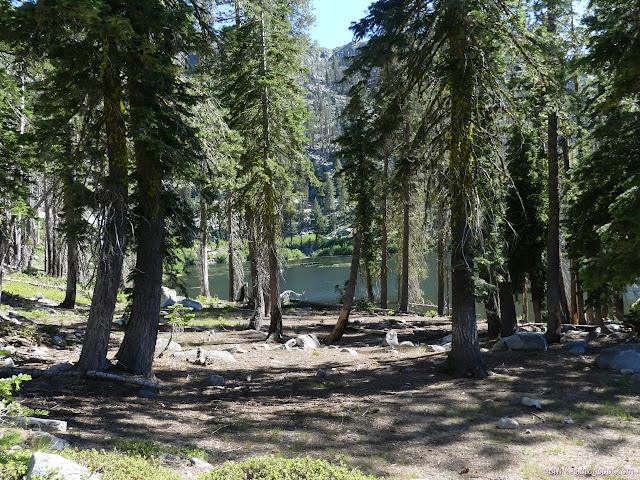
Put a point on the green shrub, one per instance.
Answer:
(632, 319)
(7, 405)
(113, 466)
(271, 468)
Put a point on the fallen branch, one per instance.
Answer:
(34, 372)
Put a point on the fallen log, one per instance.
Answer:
(92, 374)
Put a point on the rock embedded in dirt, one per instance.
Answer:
(489, 403)
(308, 342)
(406, 395)
(45, 424)
(58, 340)
(349, 350)
(46, 465)
(407, 344)
(289, 344)
(447, 339)
(54, 442)
(148, 393)
(569, 421)
(215, 380)
(8, 363)
(161, 345)
(199, 463)
(190, 303)
(506, 423)
(530, 402)
(620, 357)
(577, 347)
(521, 341)
(60, 367)
(435, 348)
(391, 339)
(321, 373)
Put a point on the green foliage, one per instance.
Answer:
(10, 407)
(271, 468)
(180, 315)
(632, 319)
(13, 463)
(113, 466)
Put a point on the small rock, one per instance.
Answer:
(60, 367)
(589, 426)
(215, 380)
(107, 438)
(521, 341)
(391, 339)
(446, 339)
(54, 442)
(232, 456)
(435, 348)
(407, 344)
(406, 394)
(163, 344)
(44, 465)
(58, 340)
(189, 303)
(308, 342)
(489, 403)
(569, 421)
(38, 296)
(349, 350)
(321, 373)
(529, 402)
(148, 392)
(8, 362)
(289, 344)
(507, 423)
(199, 463)
(626, 371)
(218, 355)
(45, 424)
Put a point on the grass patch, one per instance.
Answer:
(26, 290)
(533, 470)
(271, 468)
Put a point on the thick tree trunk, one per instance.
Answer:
(508, 316)
(580, 299)
(232, 261)
(441, 262)
(112, 247)
(525, 302)
(384, 264)
(492, 307)
(275, 327)
(72, 241)
(347, 303)
(369, 281)
(403, 304)
(537, 310)
(255, 256)
(556, 316)
(139, 343)
(203, 257)
(564, 299)
(619, 307)
(465, 359)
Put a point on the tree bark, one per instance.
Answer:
(403, 305)
(347, 303)
(580, 299)
(619, 307)
(465, 359)
(203, 257)
(556, 316)
(112, 247)
(508, 316)
(232, 262)
(255, 261)
(525, 303)
(369, 281)
(72, 241)
(441, 262)
(492, 307)
(384, 264)
(275, 328)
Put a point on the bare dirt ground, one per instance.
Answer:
(389, 413)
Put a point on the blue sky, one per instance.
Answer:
(333, 19)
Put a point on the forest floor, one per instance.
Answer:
(389, 413)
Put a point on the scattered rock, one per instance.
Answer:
(54, 442)
(168, 297)
(391, 339)
(569, 421)
(407, 344)
(215, 380)
(613, 327)
(38, 296)
(626, 371)
(578, 345)
(289, 344)
(44, 465)
(621, 357)
(60, 367)
(528, 431)
(435, 348)
(199, 463)
(190, 303)
(44, 424)
(232, 456)
(349, 350)
(406, 394)
(308, 342)
(489, 403)
(529, 402)
(235, 349)
(58, 340)
(321, 373)
(217, 355)
(522, 341)
(507, 423)
(148, 393)
(446, 339)
(577, 350)
(8, 362)
(162, 343)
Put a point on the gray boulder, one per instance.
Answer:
(168, 297)
(620, 357)
(391, 339)
(522, 341)
(47, 465)
(161, 345)
(190, 303)
(580, 346)
(53, 442)
(308, 342)
(45, 424)
(213, 355)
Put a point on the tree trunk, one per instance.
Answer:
(556, 317)
(384, 264)
(492, 306)
(573, 294)
(537, 310)
(72, 240)
(508, 316)
(347, 302)
(275, 328)
(232, 262)
(113, 244)
(255, 256)
(138, 346)
(564, 299)
(441, 262)
(525, 302)
(203, 257)
(369, 281)
(619, 307)
(580, 299)
(403, 305)
(465, 359)
(1, 258)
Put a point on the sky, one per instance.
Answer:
(333, 19)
